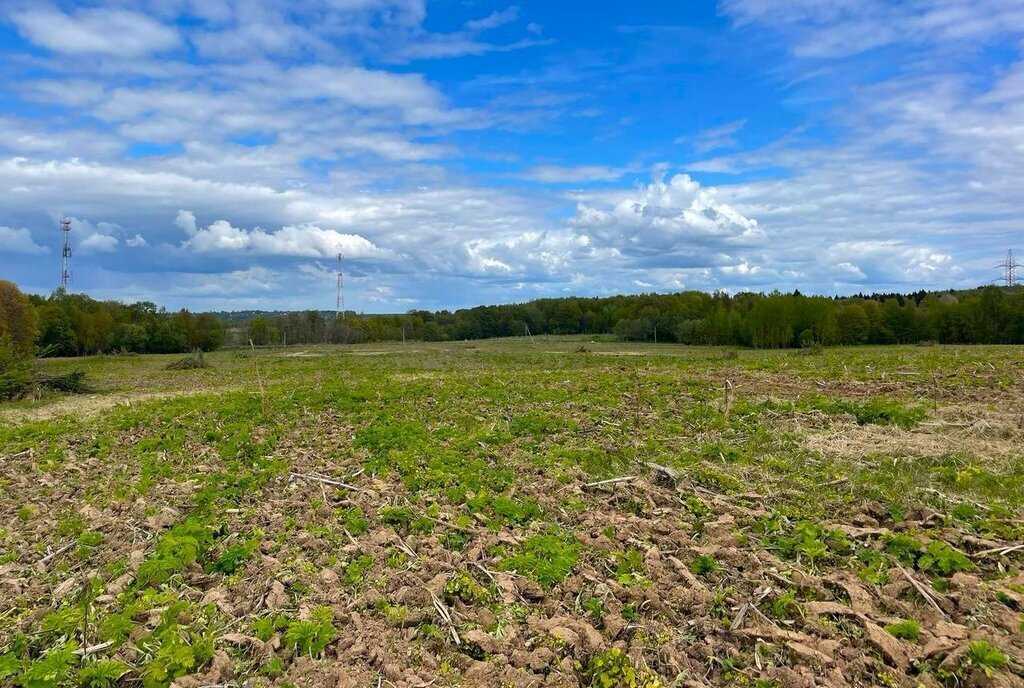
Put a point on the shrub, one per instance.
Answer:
(73, 382)
(194, 361)
(15, 371)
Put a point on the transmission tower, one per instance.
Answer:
(65, 255)
(339, 308)
(1009, 268)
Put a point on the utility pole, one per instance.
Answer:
(65, 255)
(339, 307)
(1009, 268)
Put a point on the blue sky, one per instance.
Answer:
(217, 154)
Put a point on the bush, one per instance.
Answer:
(15, 371)
(73, 382)
(193, 361)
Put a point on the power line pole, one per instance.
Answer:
(339, 307)
(65, 255)
(1009, 268)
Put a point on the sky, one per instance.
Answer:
(219, 154)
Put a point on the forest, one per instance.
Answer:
(75, 325)
(988, 315)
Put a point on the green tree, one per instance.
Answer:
(18, 320)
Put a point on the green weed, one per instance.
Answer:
(905, 630)
(546, 559)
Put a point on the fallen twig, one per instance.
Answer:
(57, 553)
(610, 481)
(924, 593)
(326, 481)
(92, 649)
(1001, 550)
(446, 616)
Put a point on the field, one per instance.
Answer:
(556, 512)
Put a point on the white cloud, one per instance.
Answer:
(238, 282)
(137, 241)
(99, 243)
(102, 31)
(302, 240)
(19, 240)
(555, 174)
(722, 136)
(846, 27)
(849, 271)
(494, 20)
(186, 221)
(666, 216)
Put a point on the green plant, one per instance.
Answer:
(904, 548)
(355, 521)
(703, 565)
(175, 656)
(905, 630)
(357, 568)
(613, 669)
(103, 673)
(48, 671)
(940, 558)
(264, 628)
(182, 545)
(462, 586)
(313, 636)
(233, 558)
(983, 655)
(629, 567)
(785, 606)
(546, 559)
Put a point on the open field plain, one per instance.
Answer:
(555, 512)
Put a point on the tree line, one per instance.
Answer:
(988, 315)
(63, 324)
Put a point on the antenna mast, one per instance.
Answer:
(339, 308)
(65, 255)
(1009, 268)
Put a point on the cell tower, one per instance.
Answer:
(1009, 268)
(65, 255)
(339, 308)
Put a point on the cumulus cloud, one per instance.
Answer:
(137, 241)
(100, 31)
(99, 243)
(186, 221)
(308, 241)
(19, 241)
(665, 216)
